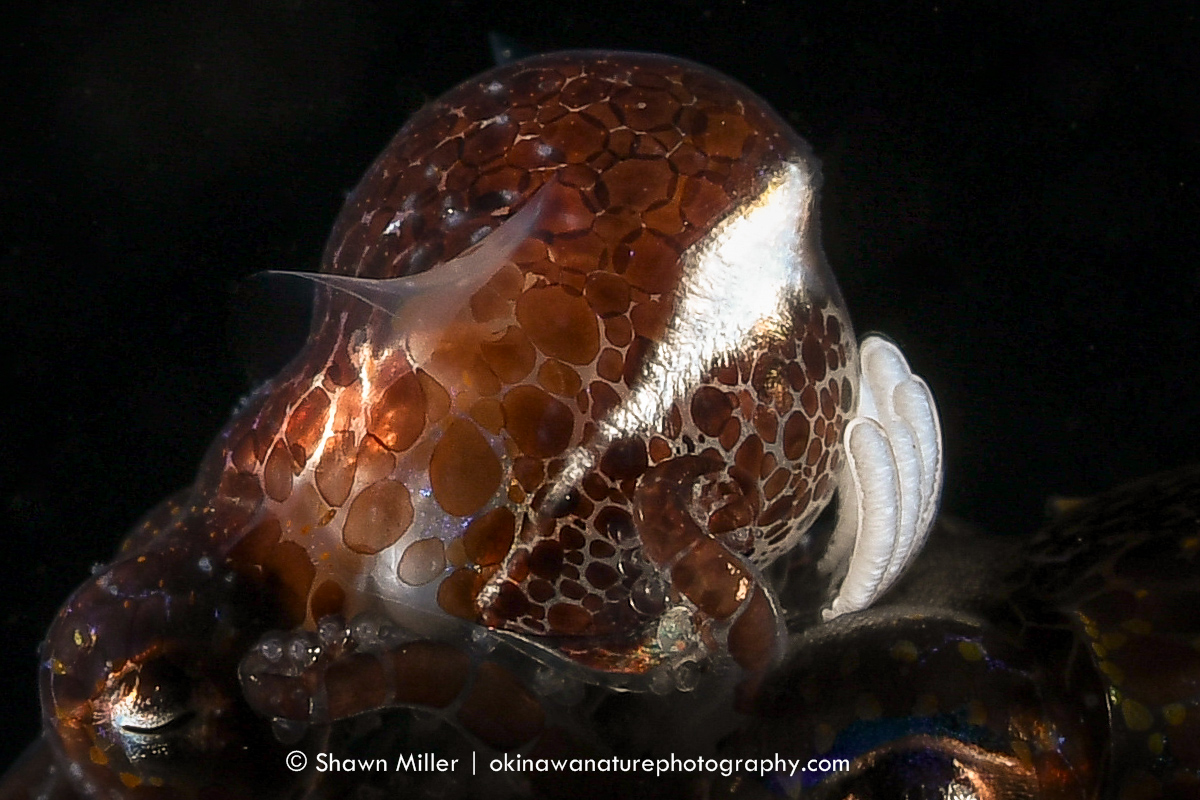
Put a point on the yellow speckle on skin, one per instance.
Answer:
(970, 651)
(1174, 713)
(1114, 673)
(1191, 543)
(1099, 650)
(1155, 742)
(904, 650)
(1137, 716)
(976, 713)
(1141, 593)
(130, 780)
(1113, 641)
(868, 707)
(1137, 626)
(97, 756)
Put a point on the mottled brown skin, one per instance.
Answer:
(654, 150)
(366, 481)
(643, 155)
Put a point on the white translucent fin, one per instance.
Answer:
(914, 403)
(870, 489)
(425, 303)
(891, 481)
(885, 369)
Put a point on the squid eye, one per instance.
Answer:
(150, 703)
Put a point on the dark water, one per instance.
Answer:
(1012, 193)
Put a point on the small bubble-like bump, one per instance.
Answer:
(648, 596)
(686, 674)
(662, 680)
(365, 630)
(331, 631)
(483, 640)
(632, 563)
(676, 633)
(302, 652)
(271, 649)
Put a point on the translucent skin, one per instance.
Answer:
(398, 492)
(641, 156)
(456, 459)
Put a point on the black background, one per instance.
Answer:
(1011, 192)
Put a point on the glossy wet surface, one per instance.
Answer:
(1033, 234)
